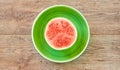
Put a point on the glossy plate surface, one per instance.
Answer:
(77, 19)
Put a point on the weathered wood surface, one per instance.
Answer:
(16, 16)
(17, 51)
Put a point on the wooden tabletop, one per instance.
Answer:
(18, 53)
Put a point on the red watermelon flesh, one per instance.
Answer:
(60, 33)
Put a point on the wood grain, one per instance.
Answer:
(18, 53)
(17, 17)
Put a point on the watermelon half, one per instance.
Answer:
(60, 33)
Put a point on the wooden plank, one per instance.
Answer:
(102, 53)
(15, 41)
(16, 17)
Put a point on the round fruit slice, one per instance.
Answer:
(60, 33)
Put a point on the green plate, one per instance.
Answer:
(77, 19)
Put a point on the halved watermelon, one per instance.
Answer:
(60, 33)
